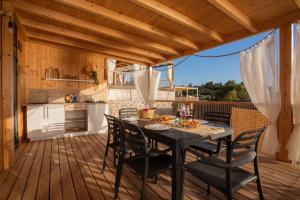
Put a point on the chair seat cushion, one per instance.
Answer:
(207, 147)
(216, 176)
(157, 164)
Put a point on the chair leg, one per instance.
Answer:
(208, 190)
(143, 188)
(145, 177)
(258, 182)
(259, 188)
(229, 195)
(105, 155)
(118, 176)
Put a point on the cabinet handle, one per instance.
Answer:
(47, 112)
(44, 112)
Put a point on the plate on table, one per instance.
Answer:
(157, 127)
(131, 119)
(203, 121)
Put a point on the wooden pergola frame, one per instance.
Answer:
(126, 42)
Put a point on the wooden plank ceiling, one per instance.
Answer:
(150, 31)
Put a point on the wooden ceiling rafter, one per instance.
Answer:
(97, 28)
(297, 3)
(89, 38)
(128, 21)
(87, 46)
(233, 12)
(178, 17)
(268, 25)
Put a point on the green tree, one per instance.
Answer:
(230, 91)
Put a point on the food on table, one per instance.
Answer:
(163, 118)
(188, 123)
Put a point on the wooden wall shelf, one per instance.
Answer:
(69, 80)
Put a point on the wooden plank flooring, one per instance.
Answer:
(70, 168)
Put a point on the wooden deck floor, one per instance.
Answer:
(69, 168)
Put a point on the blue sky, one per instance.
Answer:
(197, 70)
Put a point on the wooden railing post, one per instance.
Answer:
(285, 119)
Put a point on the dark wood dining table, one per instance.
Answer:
(178, 140)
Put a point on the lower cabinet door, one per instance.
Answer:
(55, 115)
(36, 122)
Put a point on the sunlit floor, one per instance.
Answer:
(70, 168)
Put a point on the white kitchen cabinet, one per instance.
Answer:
(45, 121)
(96, 119)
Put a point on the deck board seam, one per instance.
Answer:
(30, 169)
(19, 171)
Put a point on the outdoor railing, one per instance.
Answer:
(219, 106)
(201, 107)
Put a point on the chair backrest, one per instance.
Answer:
(113, 125)
(217, 117)
(244, 148)
(134, 137)
(128, 112)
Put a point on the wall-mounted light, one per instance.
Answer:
(10, 26)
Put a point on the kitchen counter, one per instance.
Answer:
(59, 103)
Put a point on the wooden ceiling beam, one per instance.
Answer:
(178, 17)
(298, 3)
(17, 19)
(89, 38)
(77, 22)
(128, 21)
(233, 12)
(89, 47)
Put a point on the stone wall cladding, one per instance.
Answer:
(115, 105)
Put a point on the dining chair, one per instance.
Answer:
(228, 176)
(128, 112)
(213, 147)
(113, 138)
(147, 162)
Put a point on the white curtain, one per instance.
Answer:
(293, 145)
(147, 92)
(121, 78)
(170, 76)
(110, 67)
(260, 74)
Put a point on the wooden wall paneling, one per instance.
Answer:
(7, 89)
(69, 61)
(285, 119)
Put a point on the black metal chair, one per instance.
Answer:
(113, 138)
(128, 112)
(228, 176)
(147, 163)
(213, 147)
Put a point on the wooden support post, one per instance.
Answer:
(285, 119)
(1, 119)
(7, 116)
